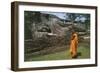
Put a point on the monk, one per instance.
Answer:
(73, 45)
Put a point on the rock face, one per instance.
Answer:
(51, 30)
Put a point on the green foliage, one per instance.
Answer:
(87, 22)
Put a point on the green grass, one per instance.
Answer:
(83, 52)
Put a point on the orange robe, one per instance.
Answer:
(73, 45)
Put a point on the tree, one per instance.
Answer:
(80, 18)
(71, 17)
(87, 21)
